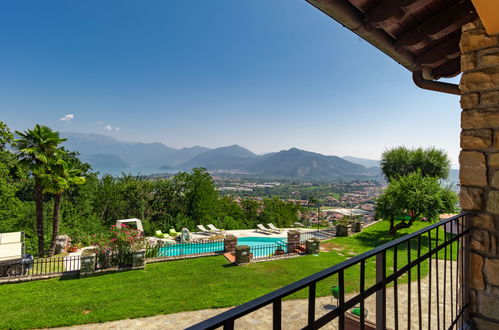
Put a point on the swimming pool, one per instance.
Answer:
(261, 246)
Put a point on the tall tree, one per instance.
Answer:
(37, 147)
(401, 161)
(412, 197)
(60, 176)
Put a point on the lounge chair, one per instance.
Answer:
(173, 232)
(263, 229)
(274, 228)
(215, 229)
(159, 234)
(204, 230)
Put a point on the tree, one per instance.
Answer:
(6, 135)
(402, 161)
(37, 147)
(60, 176)
(413, 197)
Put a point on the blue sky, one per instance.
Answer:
(265, 74)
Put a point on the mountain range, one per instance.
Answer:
(104, 153)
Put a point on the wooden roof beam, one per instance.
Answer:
(441, 53)
(438, 26)
(389, 12)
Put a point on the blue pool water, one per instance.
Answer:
(261, 246)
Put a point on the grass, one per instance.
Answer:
(176, 286)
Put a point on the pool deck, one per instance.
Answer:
(251, 233)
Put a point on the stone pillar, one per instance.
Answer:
(243, 255)
(87, 264)
(312, 246)
(293, 240)
(479, 168)
(230, 243)
(139, 259)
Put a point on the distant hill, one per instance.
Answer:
(362, 161)
(300, 163)
(224, 158)
(135, 154)
(105, 161)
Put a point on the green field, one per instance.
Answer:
(175, 286)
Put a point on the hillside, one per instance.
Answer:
(299, 163)
(224, 158)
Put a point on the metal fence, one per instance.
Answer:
(41, 266)
(321, 234)
(173, 250)
(415, 281)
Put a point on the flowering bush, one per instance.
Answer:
(116, 248)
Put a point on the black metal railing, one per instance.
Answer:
(415, 281)
(198, 247)
(39, 266)
(322, 234)
(274, 250)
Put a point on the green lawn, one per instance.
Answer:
(176, 286)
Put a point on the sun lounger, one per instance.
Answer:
(274, 228)
(159, 234)
(173, 232)
(204, 230)
(215, 229)
(263, 229)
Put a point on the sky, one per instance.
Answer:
(265, 74)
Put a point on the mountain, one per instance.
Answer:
(300, 163)
(135, 154)
(232, 157)
(362, 161)
(105, 161)
(105, 153)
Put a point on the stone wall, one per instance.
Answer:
(479, 168)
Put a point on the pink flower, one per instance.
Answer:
(113, 239)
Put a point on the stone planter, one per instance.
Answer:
(243, 254)
(312, 246)
(357, 226)
(139, 259)
(343, 230)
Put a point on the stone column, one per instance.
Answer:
(479, 168)
(87, 264)
(139, 259)
(243, 255)
(293, 240)
(230, 243)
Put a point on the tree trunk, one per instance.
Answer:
(39, 217)
(55, 224)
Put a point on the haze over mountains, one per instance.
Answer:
(104, 153)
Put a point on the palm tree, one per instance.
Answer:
(36, 148)
(60, 176)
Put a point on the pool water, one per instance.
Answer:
(260, 246)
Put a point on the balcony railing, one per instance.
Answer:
(414, 281)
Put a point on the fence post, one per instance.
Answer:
(139, 259)
(293, 240)
(312, 245)
(87, 264)
(381, 293)
(230, 243)
(242, 254)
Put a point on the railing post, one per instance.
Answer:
(381, 293)
(466, 266)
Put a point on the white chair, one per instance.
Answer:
(215, 229)
(263, 229)
(204, 230)
(274, 228)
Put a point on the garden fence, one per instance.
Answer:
(38, 267)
